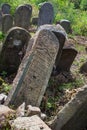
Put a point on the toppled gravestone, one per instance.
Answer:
(5, 8)
(7, 22)
(13, 49)
(22, 16)
(74, 114)
(66, 25)
(46, 14)
(29, 123)
(35, 70)
(67, 57)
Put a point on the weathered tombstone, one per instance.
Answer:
(66, 25)
(35, 70)
(5, 8)
(67, 57)
(46, 14)
(7, 22)
(13, 49)
(22, 16)
(83, 68)
(61, 36)
(73, 115)
(0, 20)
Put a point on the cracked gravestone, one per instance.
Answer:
(66, 25)
(46, 14)
(34, 72)
(5, 8)
(13, 49)
(73, 115)
(67, 57)
(22, 16)
(7, 22)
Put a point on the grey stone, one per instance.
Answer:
(46, 14)
(66, 25)
(7, 22)
(0, 20)
(67, 57)
(35, 70)
(2, 98)
(20, 112)
(83, 68)
(29, 123)
(22, 16)
(13, 49)
(5, 8)
(73, 115)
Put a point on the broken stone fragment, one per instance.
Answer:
(32, 110)
(20, 110)
(29, 123)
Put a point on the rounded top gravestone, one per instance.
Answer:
(5, 8)
(13, 49)
(22, 16)
(46, 14)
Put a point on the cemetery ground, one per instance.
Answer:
(61, 88)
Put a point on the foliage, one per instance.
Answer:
(83, 4)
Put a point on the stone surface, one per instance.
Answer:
(0, 20)
(13, 49)
(66, 25)
(35, 21)
(46, 14)
(67, 57)
(35, 70)
(22, 16)
(2, 98)
(7, 22)
(29, 123)
(5, 8)
(73, 115)
(32, 110)
(20, 110)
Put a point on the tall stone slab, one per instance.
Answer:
(5, 8)
(35, 70)
(7, 22)
(13, 49)
(67, 57)
(73, 115)
(46, 14)
(22, 16)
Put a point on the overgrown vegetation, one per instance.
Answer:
(73, 10)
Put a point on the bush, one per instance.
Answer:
(83, 5)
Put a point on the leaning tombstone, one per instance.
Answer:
(61, 36)
(5, 8)
(67, 57)
(13, 49)
(0, 20)
(46, 14)
(66, 25)
(22, 16)
(35, 70)
(7, 22)
(73, 115)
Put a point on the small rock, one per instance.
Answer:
(20, 110)
(32, 110)
(2, 98)
(43, 116)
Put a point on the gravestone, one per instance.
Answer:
(22, 16)
(67, 57)
(66, 25)
(7, 22)
(61, 36)
(13, 49)
(46, 14)
(5, 8)
(0, 20)
(35, 70)
(73, 115)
